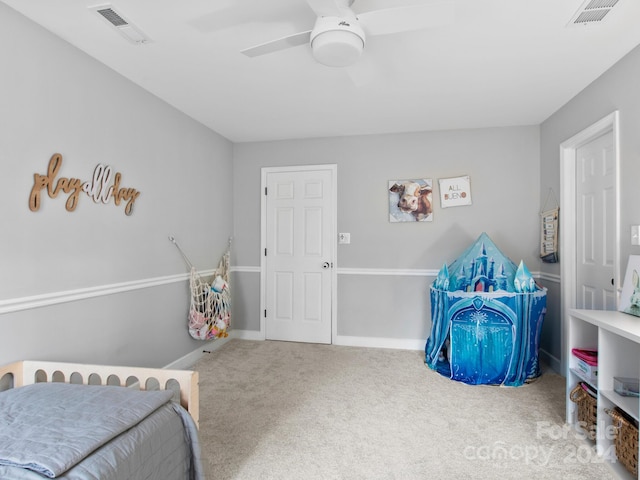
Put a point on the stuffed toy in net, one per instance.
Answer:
(210, 308)
(210, 299)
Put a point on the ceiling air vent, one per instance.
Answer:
(123, 26)
(592, 11)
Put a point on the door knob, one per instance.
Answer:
(326, 265)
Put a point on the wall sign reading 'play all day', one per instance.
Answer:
(99, 188)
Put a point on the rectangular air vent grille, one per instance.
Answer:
(592, 16)
(111, 16)
(601, 4)
(592, 11)
(121, 24)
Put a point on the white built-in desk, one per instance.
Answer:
(616, 336)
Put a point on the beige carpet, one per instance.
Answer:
(277, 410)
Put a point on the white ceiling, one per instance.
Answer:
(501, 63)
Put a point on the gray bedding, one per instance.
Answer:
(78, 432)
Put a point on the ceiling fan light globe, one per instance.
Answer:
(337, 48)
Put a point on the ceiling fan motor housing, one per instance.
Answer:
(336, 41)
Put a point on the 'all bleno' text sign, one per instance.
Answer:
(102, 188)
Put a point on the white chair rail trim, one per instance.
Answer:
(54, 298)
(399, 272)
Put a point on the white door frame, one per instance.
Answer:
(568, 220)
(263, 240)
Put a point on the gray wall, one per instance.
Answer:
(62, 101)
(503, 164)
(616, 89)
(57, 99)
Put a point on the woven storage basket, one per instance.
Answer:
(587, 410)
(626, 440)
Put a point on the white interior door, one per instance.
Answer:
(595, 215)
(570, 236)
(299, 244)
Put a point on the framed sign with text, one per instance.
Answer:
(455, 192)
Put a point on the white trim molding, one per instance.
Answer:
(550, 277)
(244, 269)
(247, 334)
(340, 340)
(187, 361)
(380, 342)
(568, 220)
(554, 362)
(399, 272)
(54, 298)
(395, 272)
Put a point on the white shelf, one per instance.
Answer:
(628, 404)
(616, 336)
(582, 377)
(627, 326)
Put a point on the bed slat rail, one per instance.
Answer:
(27, 372)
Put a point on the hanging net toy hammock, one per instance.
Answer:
(210, 300)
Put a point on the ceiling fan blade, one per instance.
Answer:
(283, 43)
(408, 18)
(327, 8)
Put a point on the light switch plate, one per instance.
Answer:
(635, 234)
(344, 238)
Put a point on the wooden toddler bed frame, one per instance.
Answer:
(184, 382)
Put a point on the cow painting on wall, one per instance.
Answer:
(410, 200)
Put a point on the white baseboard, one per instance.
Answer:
(379, 342)
(246, 334)
(553, 362)
(187, 361)
(346, 340)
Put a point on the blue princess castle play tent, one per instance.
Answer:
(486, 315)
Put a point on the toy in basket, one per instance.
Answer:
(210, 310)
(210, 302)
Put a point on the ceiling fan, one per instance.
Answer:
(338, 37)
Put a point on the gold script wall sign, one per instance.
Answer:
(99, 188)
